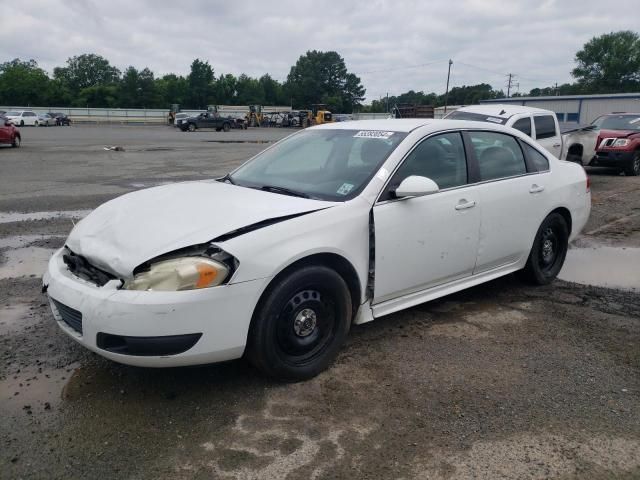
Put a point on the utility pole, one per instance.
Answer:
(387, 103)
(446, 93)
(509, 85)
(557, 93)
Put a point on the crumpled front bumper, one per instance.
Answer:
(221, 314)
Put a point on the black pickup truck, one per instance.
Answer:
(206, 120)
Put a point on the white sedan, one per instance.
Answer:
(335, 225)
(23, 117)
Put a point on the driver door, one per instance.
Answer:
(422, 242)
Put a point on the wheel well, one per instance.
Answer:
(333, 261)
(566, 215)
(575, 149)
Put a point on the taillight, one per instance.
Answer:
(588, 184)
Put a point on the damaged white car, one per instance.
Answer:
(334, 225)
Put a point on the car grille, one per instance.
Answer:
(81, 267)
(70, 316)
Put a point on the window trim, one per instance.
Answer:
(556, 133)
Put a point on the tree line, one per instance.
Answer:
(608, 63)
(89, 80)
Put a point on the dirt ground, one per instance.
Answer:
(500, 381)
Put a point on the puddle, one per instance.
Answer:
(16, 317)
(238, 141)
(602, 266)
(24, 262)
(20, 241)
(8, 217)
(34, 390)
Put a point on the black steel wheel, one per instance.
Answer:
(633, 170)
(549, 250)
(300, 323)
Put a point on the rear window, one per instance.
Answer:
(539, 160)
(545, 126)
(524, 125)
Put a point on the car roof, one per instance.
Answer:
(501, 110)
(410, 124)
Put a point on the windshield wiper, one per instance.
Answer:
(283, 190)
(227, 178)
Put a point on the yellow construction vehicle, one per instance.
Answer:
(320, 114)
(254, 117)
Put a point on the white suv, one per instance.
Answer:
(541, 125)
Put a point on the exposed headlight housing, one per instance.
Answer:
(187, 273)
(621, 142)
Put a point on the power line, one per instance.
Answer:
(402, 67)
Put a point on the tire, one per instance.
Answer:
(633, 170)
(548, 251)
(300, 324)
(16, 142)
(35, 124)
(226, 127)
(22, 123)
(218, 129)
(192, 127)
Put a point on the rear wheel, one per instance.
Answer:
(633, 170)
(226, 127)
(192, 127)
(16, 142)
(549, 251)
(22, 123)
(300, 324)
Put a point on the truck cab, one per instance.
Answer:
(541, 125)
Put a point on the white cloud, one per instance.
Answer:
(535, 40)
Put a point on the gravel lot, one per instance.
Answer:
(500, 381)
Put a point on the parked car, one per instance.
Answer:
(335, 225)
(541, 125)
(61, 119)
(206, 120)
(178, 117)
(46, 120)
(618, 143)
(9, 134)
(22, 117)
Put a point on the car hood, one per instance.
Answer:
(134, 228)
(616, 133)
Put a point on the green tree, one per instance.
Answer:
(87, 70)
(249, 91)
(98, 96)
(273, 93)
(609, 63)
(225, 89)
(171, 89)
(138, 89)
(23, 83)
(322, 77)
(200, 80)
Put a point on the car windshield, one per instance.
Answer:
(618, 122)
(332, 165)
(478, 117)
(12, 114)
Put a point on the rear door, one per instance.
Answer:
(547, 133)
(512, 200)
(5, 135)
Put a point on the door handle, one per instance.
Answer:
(536, 189)
(556, 145)
(464, 204)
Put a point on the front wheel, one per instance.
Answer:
(22, 123)
(633, 170)
(226, 127)
(16, 142)
(300, 324)
(191, 127)
(548, 252)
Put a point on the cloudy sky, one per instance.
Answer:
(392, 45)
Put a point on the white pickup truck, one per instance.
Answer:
(541, 125)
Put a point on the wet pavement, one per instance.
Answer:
(500, 381)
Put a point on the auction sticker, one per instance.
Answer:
(372, 134)
(494, 120)
(344, 189)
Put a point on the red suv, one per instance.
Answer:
(618, 143)
(9, 133)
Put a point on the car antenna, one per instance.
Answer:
(502, 112)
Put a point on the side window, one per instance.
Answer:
(545, 126)
(524, 125)
(29, 114)
(440, 158)
(498, 155)
(539, 160)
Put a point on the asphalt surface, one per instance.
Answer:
(500, 381)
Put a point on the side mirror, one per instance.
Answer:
(416, 186)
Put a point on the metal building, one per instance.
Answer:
(579, 108)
